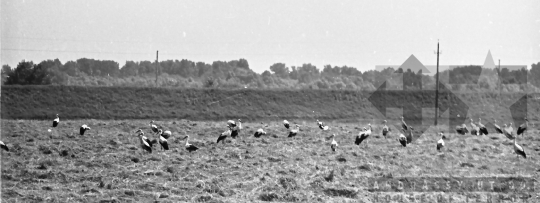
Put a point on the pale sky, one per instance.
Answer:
(362, 34)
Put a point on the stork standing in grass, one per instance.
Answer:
(333, 144)
(363, 136)
(83, 129)
(385, 130)
(519, 150)
(153, 127)
(523, 127)
(324, 127)
(321, 125)
(286, 124)
(360, 137)
(225, 134)
(190, 147)
(402, 139)
(231, 123)
(166, 134)
(475, 129)
(294, 132)
(236, 130)
(403, 124)
(4, 146)
(259, 133)
(462, 129)
(440, 143)
(509, 131)
(56, 121)
(145, 142)
(163, 140)
(497, 127)
(483, 130)
(410, 136)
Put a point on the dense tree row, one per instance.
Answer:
(237, 74)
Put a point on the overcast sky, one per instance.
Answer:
(362, 34)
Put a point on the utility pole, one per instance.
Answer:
(500, 80)
(437, 87)
(157, 66)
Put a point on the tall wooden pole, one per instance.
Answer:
(157, 67)
(500, 81)
(437, 88)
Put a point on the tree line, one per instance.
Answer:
(237, 74)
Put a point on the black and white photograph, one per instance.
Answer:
(270, 101)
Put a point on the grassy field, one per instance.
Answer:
(107, 164)
(44, 102)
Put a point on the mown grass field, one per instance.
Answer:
(107, 164)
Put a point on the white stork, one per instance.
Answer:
(225, 134)
(153, 127)
(163, 140)
(472, 123)
(319, 123)
(523, 127)
(363, 136)
(410, 136)
(385, 130)
(403, 124)
(145, 142)
(56, 121)
(83, 129)
(259, 132)
(462, 129)
(483, 130)
(166, 134)
(475, 129)
(440, 143)
(402, 139)
(4, 146)
(497, 127)
(325, 128)
(286, 124)
(333, 144)
(293, 132)
(190, 147)
(231, 123)
(519, 150)
(509, 131)
(236, 130)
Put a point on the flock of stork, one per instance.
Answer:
(508, 131)
(233, 130)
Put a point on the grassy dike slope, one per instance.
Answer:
(43, 102)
